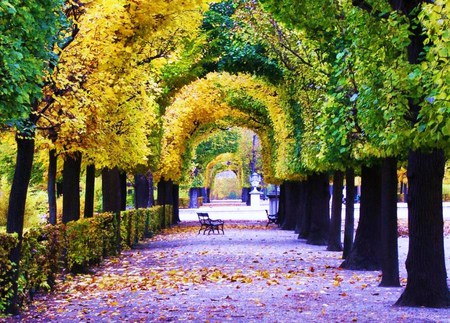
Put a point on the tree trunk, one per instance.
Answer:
(141, 191)
(71, 187)
(305, 226)
(165, 192)
(320, 210)
(123, 191)
(51, 186)
(302, 205)
(334, 235)
(291, 205)
(349, 228)
(365, 254)
(208, 195)
(175, 199)
(245, 195)
(89, 193)
(425, 263)
(388, 228)
(111, 190)
(16, 209)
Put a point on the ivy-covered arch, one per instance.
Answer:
(235, 100)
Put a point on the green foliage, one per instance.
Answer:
(227, 51)
(7, 242)
(28, 32)
(84, 245)
(41, 257)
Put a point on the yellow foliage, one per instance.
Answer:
(106, 81)
(206, 101)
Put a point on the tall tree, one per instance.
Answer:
(28, 32)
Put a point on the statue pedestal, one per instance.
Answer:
(255, 198)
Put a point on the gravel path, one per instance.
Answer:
(250, 274)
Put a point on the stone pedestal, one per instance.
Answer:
(255, 198)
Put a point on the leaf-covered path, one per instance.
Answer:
(250, 274)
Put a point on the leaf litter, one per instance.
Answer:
(250, 274)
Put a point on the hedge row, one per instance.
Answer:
(50, 250)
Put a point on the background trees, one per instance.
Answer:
(138, 86)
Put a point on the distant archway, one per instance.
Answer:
(223, 100)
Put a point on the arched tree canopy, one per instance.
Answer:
(221, 163)
(224, 100)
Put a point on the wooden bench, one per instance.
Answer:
(206, 223)
(272, 218)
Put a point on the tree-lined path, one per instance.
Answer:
(250, 274)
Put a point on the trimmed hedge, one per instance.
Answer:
(7, 242)
(49, 250)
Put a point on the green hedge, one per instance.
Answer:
(141, 223)
(48, 250)
(7, 242)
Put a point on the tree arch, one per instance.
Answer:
(223, 162)
(233, 100)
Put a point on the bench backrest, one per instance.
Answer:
(203, 218)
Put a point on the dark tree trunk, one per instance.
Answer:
(365, 254)
(302, 205)
(388, 228)
(208, 195)
(165, 192)
(151, 197)
(334, 235)
(51, 186)
(123, 191)
(291, 205)
(245, 195)
(425, 263)
(141, 191)
(16, 208)
(111, 190)
(89, 193)
(349, 227)
(71, 187)
(175, 199)
(305, 226)
(202, 193)
(282, 204)
(320, 210)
